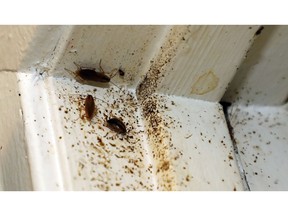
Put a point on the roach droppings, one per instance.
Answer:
(101, 143)
(165, 166)
(115, 124)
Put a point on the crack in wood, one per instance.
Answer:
(225, 106)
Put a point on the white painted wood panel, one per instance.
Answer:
(189, 150)
(199, 61)
(190, 144)
(14, 163)
(261, 137)
(49, 43)
(202, 58)
(263, 77)
(14, 43)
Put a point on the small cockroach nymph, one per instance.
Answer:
(115, 124)
(90, 108)
(121, 72)
(86, 74)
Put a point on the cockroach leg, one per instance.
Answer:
(103, 72)
(101, 69)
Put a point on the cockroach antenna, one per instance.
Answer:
(103, 72)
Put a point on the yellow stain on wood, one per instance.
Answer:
(205, 83)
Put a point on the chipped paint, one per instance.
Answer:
(205, 83)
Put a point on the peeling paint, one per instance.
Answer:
(205, 83)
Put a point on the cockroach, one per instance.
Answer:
(85, 74)
(121, 72)
(89, 107)
(115, 124)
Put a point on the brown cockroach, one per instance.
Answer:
(85, 74)
(116, 124)
(90, 107)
